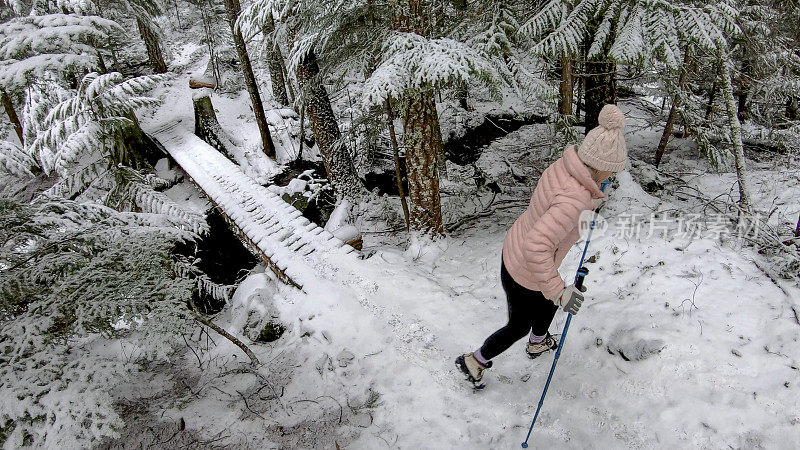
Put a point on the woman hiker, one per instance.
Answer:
(540, 238)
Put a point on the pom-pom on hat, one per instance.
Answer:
(603, 148)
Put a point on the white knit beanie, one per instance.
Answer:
(603, 148)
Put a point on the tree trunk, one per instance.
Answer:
(276, 76)
(133, 147)
(232, 8)
(423, 143)
(12, 114)
(673, 110)
(101, 64)
(599, 80)
(736, 136)
(792, 109)
(436, 130)
(462, 94)
(712, 93)
(600, 90)
(177, 13)
(662, 144)
(741, 104)
(567, 86)
(421, 133)
(337, 160)
(150, 38)
(288, 80)
(396, 154)
(579, 98)
(206, 125)
(114, 58)
(213, 61)
(742, 108)
(302, 131)
(275, 60)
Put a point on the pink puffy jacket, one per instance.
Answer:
(540, 238)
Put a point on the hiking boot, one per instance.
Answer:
(534, 350)
(472, 369)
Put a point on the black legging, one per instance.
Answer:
(527, 310)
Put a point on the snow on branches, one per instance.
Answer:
(641, 30)
(14, 161)
(72, 274)
(414, 62)
(85, 123)
(33, 46)
(86, 139)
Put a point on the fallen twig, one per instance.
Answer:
(207, 322)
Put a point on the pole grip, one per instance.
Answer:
(582, 272)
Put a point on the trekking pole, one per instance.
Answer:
(579, 276)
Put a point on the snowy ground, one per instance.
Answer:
(682, 342)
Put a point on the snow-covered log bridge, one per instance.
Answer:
(273, 230)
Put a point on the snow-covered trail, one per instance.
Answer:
(704, 347)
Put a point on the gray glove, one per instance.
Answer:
(571, 299)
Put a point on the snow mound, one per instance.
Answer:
(628, 197)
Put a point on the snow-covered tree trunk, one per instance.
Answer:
(136, 145)
(213, 59)
(673, 110)
(276, 75)
(423, 141)
(436, 130)
(233, 8)
(421, 133)
(335, 155)
(736, 135)
(8, 105)
(152, 44)
(275, 64)
(206, 125)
